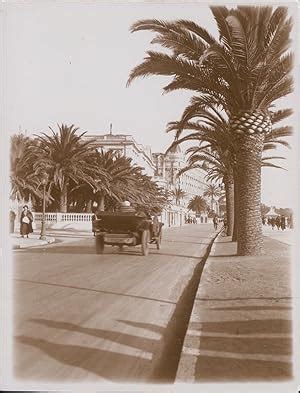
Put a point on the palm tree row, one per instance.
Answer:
(236, 79)
(215, 152)
(198, 204)
(77, 174)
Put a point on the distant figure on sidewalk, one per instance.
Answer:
(282, 223)
(290, 222)
(26, 222)
(278, 222)
(215, 221)
(264, 220)
(12, 217)
(272, 222)
(94, 217)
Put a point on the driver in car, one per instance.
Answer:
(125, 207)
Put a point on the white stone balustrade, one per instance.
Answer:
(63, 217)
(170, 217)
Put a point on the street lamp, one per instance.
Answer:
(44, 182)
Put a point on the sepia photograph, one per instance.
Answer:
(149, 196)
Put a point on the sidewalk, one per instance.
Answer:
(241, 325)
(286, 236)
(34, 240)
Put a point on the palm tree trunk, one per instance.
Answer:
(63, 201)
(236, 205)
(101, 205)
(229, 190)
(250, 240)
(89, 206)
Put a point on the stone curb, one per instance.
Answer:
(34, 243)
(184, 374)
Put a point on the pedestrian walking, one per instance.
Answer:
(94, 217)
(278, 222)
(273, 222)
(282, 223)
(26, 222)
(215, 221)
(289, 222)
(12, 217)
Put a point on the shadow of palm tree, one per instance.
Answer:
(250, 350)
(106, 364)
(142, 325)
(249, 308)
(142, 343)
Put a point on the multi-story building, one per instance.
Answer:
(167, 168)
(127, 145)
(162, 168)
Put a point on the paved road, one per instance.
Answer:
(95, 318)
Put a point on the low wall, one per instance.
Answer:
(64, 217)
(83, 221)
(78, 221)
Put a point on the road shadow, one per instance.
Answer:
(249, 308)
(94, 290)
(258, 349)
(164, 362)
(223, 256)
(148, 326)
(87, 358)
(169, 254)
(157, 252)
(110, 365)
(187, 242)
(142, 343)
(225, 299)
(60, 248)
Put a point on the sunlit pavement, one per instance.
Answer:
(80, 316)
(240, 328)
(285, 236)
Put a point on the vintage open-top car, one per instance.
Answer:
(126, 229)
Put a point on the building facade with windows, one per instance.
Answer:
(192, 182)
(126, 145)
(162, 168)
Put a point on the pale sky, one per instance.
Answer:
(69, 62)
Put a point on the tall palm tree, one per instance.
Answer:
(147, 195)
(214, 143)
(211, 131)
(198, 204)
(178, 194)
(121, 177)
(66, 158)
(213, 193)
(244, 72)
(24, 183)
